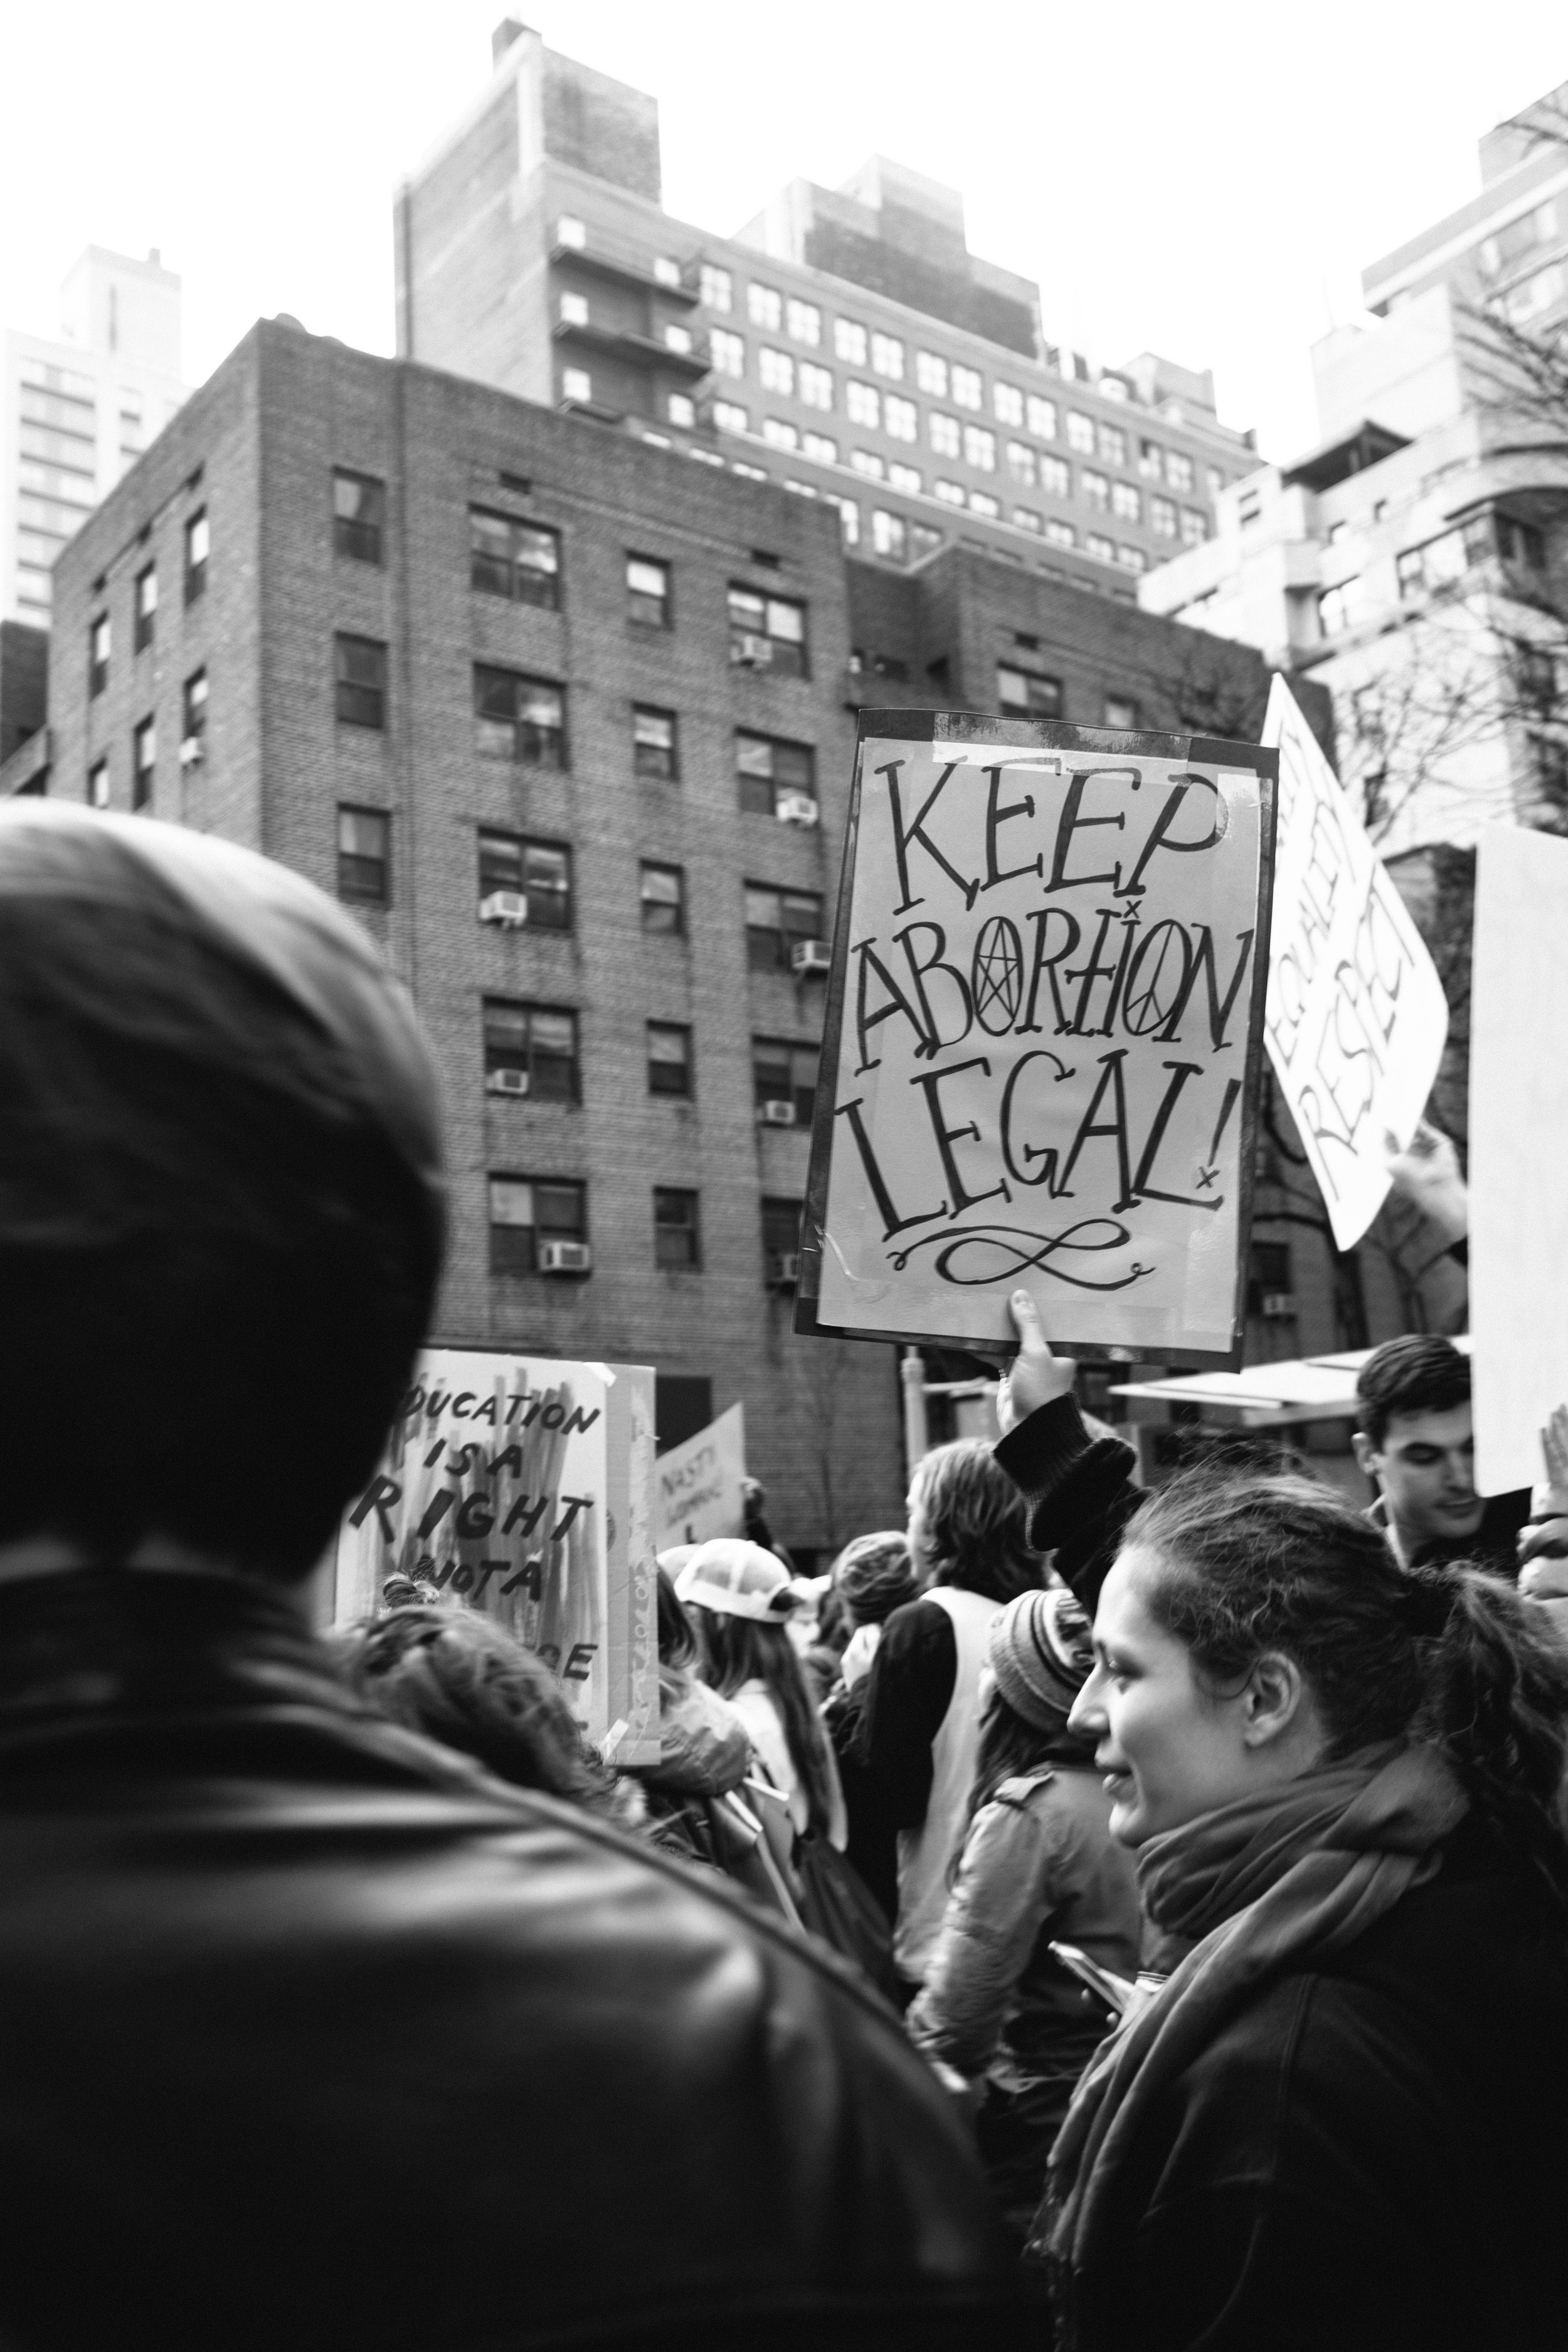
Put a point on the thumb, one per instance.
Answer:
(1026, 1322)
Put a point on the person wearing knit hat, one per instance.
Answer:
(1037, 1867)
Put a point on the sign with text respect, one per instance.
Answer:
(1042, 1038)
(1357, 1017)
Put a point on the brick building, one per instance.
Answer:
(844, 343)
(569, 722)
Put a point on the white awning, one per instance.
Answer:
(1267, 1396)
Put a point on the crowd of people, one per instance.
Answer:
(1125, 1921)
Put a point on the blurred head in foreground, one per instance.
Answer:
(221, 1206)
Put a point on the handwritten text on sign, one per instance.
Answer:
(1046, 1020)
(1356, 1016)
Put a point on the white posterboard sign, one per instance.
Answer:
(522, 1487)
(1518, 1152)
(1357, 1017)
(698, 1485)
(1042, 1038)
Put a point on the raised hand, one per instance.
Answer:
(1035, 1376)
(1427, 1175)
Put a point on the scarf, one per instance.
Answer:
(1270, 1883)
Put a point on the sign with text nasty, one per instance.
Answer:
(1042, 1038)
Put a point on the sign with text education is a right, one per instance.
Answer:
(1042, 1038)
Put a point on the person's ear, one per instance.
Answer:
(1273, 1699)
(1367, 1453)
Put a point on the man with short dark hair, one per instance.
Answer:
(317, 2037)
(1416, 1444)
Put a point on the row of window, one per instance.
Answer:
(145, 748)
(530, 1054)
(539, 1225)
(144, 605)
(1436, 565)
(1027, 694)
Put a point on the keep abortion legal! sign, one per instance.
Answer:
(1042, 1038)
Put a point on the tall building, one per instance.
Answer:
(568, 721)
(1411, 562)
(845, 344)
(77, 410)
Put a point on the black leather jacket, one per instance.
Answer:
(316, 2038)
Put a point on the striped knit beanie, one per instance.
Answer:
(1040, 1652)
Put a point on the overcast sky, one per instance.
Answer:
(1206, 180)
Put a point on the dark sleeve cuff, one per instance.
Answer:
(1061, 1468)
(1460, 1251)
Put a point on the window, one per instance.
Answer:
(526, 1211)
(1021, 463)
(889, 536)
(97, 785)
(98, 638)
(360, 681)
(1095, 544)
(1178, 469)
(931, 374)
(194, 704)
(1007, 403)
(1151, 458)
(197, 542)
(1060, 534)
(662, 896)
(1216, 481)
(1021, 694)
(520, 719)
(668, 1059)
(1518, 237)
(677, 1246)
(781, 1238)
(681, 411)
(943, 433)
(968, 387)
(570, 230)
(747, 473)
(518, 559)
(364, 856)
(803, 321)
(1121, 712)
(981, 502)
(576, 383)
(764, 307)
(849, 518)
(145, 608)
(647, 593)
(767, 769)
(1025, 518)
(359, 513)
(1163, 517)
(863, 403)
(1126, 503)
(730, 418)
(1042, 417)
(538, 871)
(767, 632)
(678, 340)
(980, 448)
(1096, 488)
(784, 1072)
(1339, 608)
(902, 417)
(1194, 527)
(849, 342)
(573, 309)
(775, 921)
(905, 478)
(953, 492)
(1080, 432)
(781, 435)
(820, 446)
(776, 369)
(888, 357)
(924, 540)
(717, 287)
(865, 461)
(815, 384)
(728, 350)
(1056, 476)
(1113, 443)
(143, 764)
(539, 1040)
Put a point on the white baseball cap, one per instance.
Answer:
(736, 1579)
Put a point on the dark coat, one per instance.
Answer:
(318, 2038)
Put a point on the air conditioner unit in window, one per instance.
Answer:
(785, 1271)
(506, 1082)
(193, 752)
(756, 652)
(776, 1114)
(795, 808)
(565, 1257)
(507, 907)
(1279, 1306)
(811, 955)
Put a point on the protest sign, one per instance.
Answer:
(1042, 1038)
(1519, 1150)
(697, 1486)
(522, 1487)
(1356, 1017)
